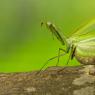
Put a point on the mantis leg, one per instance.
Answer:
(60, 49)
(66, 64)
(70, 58)
(73, 48)
(48, 61)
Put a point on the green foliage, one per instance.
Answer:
(24, 45)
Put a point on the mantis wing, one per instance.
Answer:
(86, 47)
(85, 31)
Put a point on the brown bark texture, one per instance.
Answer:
(52, 81)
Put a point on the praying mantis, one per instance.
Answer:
(80, 44)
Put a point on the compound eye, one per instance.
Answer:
(42, 23)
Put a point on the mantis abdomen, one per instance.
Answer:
(85, 52)
(86, 60)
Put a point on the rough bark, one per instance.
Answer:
(53, 81)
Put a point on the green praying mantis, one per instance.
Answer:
(80, 44)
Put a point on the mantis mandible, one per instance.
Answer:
(80, 44)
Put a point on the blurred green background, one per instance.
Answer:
(24, 45)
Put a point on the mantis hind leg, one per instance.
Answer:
(66, 64)
(48, 61)
(71, 56)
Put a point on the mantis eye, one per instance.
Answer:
(49, 25)
(42, 23)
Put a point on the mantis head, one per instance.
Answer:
(50, 26)
(59, 35)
